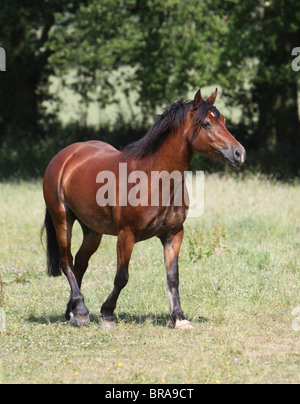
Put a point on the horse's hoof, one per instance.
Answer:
(107, 324)
(78, 320)
(183, 325)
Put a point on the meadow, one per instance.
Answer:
(239, 283)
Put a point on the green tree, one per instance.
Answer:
(24, 30)
(165, 41)
(173, 46)
(255, 68)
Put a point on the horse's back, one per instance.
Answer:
(78, 153)
(100, 145)
(85, 150)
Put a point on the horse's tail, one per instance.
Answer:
(53, 254)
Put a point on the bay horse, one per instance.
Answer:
(70, 192)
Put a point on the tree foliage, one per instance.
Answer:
(24, 31)
(255, 68)
(165, 41)
(245, 46)
(159, 49)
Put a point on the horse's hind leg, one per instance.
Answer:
(125, 246)
(76, 312)
(90, 244)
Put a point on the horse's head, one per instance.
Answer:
(206, 132)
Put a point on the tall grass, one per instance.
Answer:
(239, 285)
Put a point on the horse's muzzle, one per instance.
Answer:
(235, 157)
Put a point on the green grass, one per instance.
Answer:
(240, 295)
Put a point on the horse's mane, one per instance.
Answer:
(167, 123)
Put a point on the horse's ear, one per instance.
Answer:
(212, 98)
(197, 99)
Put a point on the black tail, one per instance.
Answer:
(53, 255)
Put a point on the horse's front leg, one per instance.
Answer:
(171, 253)
(125, 246)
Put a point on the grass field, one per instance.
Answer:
(239, 283)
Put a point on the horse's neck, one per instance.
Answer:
(174, 155)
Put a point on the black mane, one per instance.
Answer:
(171, 119)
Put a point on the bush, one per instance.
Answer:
(206, 243)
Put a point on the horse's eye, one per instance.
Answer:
(206, 125)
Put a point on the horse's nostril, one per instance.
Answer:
(237, 154)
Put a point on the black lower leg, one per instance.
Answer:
(125, 246)
(172, 246)
(121, 280)
(173, 285)
(76, 306)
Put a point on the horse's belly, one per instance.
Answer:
(155, 221)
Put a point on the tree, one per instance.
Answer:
(24, 30)
(164, 41)
(159, 49)
(255, 68)
(172, 45)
